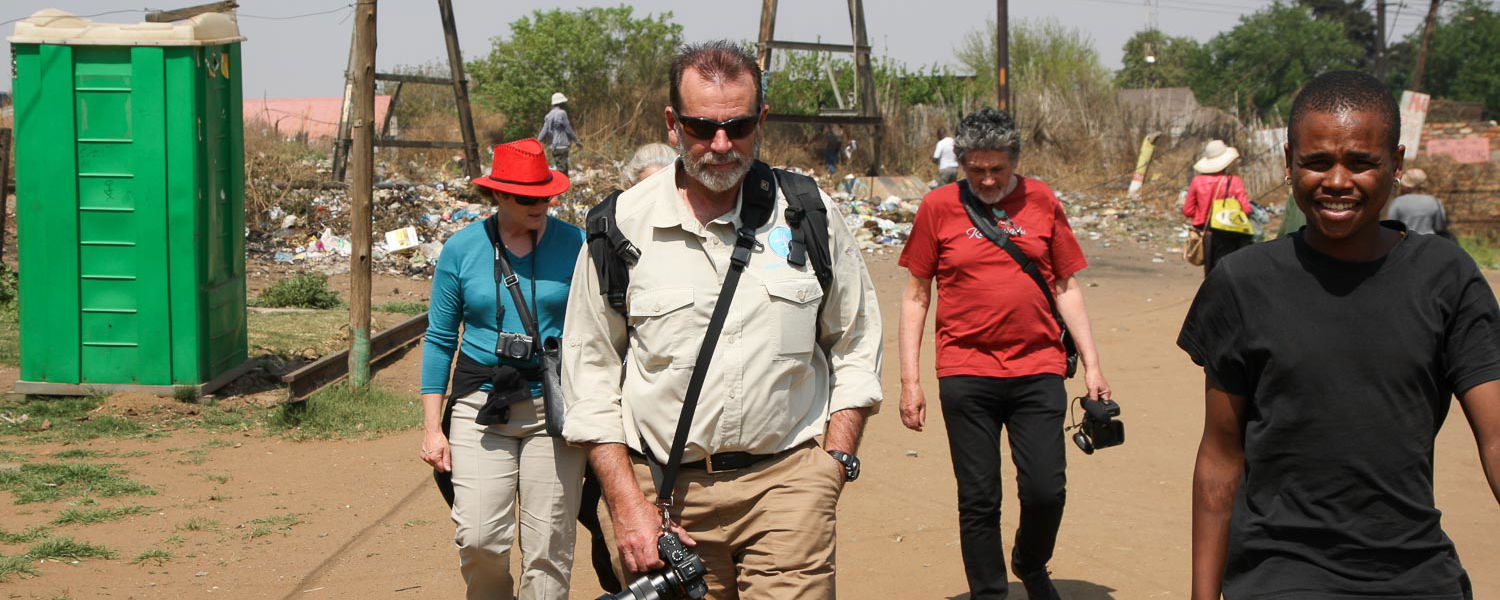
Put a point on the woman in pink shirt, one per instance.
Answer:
(1213, 182)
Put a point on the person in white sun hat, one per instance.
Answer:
(1208, 206)
(557, 133)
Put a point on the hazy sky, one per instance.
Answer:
(291, 55)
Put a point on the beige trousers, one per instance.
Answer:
(766, 532)
(495, 466)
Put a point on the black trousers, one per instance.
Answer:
(1032, 410)
(1220, 244)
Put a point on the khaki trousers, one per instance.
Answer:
(766, 532)
(492, 468)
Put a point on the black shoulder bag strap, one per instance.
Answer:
(611, 252)
(984, 221)
(810, 240)
(755, 209)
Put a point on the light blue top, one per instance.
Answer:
(463, 292)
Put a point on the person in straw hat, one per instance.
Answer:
(557, 133)
(1419, 211)
(488, 443)
(1213, 182)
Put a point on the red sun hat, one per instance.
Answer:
(521, 168)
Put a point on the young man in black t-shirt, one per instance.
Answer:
(1330, 357)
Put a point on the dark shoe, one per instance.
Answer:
(1039, 586)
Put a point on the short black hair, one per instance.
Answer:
(1340, 91)
(718, 59)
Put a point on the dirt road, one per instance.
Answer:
(368, 523)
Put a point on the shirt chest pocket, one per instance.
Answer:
(664, 328)
(794, 308)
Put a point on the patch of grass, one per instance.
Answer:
(11, 566)
(345, 410)
(155, 555)
(404, 308)
(200, 524)
(66, 549)
(1484, 252)
(90, 516)
(303, 290)
(26, 537)
(11, 456)
(63, 419)
(219, 478)
(47, 482)
(219, 498)
(10, 318)
(193, 457)
(266, 526)
(80, 453)
(306, 335)
(216, 443)
(416, 523)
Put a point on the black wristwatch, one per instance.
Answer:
(851, 464)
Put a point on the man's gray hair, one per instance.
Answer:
(987, 129)
(655, 154)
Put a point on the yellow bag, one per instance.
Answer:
(1194, 252)
(1228, 216)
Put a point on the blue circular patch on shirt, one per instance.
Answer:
(781, 241)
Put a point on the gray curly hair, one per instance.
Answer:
(655, 154)
(987, 129)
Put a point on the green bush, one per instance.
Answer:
(303, 290)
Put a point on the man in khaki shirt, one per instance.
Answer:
(755, 494)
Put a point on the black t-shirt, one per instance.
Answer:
(1348, 369)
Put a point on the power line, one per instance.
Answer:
(290, 17)
(1184, 8)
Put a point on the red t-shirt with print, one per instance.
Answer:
(992, 319)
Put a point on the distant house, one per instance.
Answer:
(312, 117)
(1175, 110)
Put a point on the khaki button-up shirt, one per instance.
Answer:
(781, 367)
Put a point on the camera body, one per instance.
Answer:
(682, 578)
(1099, 428)
(515, 346)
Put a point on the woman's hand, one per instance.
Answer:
(435, 451)
(913, 406)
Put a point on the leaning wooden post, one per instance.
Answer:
(361, 190)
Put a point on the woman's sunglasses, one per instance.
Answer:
(706, 129)
(529, 200)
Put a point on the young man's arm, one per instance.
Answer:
(1216, 477)
(1069, 294)
(1482, 407)
(914, 302)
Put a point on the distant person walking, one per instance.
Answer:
(832, 146)
(946, 159)
(1420, 212)
(557, 133)
(1217, 203)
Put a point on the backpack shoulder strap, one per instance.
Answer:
(808, 218)
(610, 251)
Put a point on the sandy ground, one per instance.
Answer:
(373, 526)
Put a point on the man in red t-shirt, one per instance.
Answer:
(1000, 359)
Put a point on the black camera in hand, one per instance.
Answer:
(681, 578)
(1099, 428)
(515, 346)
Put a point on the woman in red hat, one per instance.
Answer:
(488, 442)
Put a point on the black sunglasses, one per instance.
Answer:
(706, 129)
(529, 200)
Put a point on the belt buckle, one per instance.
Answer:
(708, 464)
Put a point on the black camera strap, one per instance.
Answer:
(984, 221)
(758, 199)
(506, 277)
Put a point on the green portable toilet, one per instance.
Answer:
(130, 204)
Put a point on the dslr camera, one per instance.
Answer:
(681, 578)
(1099, 428)
(516, 346)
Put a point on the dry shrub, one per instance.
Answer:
(271, 158)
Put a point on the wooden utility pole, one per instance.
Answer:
(361, 190)
(1380, 40)
(1421, 68)
(767, 33)
(460, 89)
(1002, 56)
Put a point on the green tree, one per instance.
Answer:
(1043, 55)
(1358, 23)
(599, 57)
(1463, 56)
(1170, 64)
(1257, 67)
